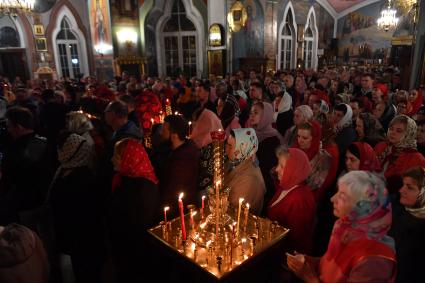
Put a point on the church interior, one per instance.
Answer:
(212, 141)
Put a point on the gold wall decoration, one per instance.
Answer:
(237, 16)
(215, 35)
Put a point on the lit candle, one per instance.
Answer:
(192, 223)
(232, 243)
(203, 207)
(152, 121)
(165, 214)
(182, 216)
(246, 211)
(190, 128)
(217, 205)
(239, 214)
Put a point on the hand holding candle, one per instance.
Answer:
(181, 209)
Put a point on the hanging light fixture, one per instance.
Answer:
(13, 7)
(388, 19)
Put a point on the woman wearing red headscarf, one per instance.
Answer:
(361, 156)
(132, 209)
(414, 102)
(309, 140)
(293, 204)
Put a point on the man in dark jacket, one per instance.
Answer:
(22, 186)
(180, 172)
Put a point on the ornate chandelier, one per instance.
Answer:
(13, 7)
(388, 20)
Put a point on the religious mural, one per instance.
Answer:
(99, 21)
(359, 37)
(249, 41)
(325, 26)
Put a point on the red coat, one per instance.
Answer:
(296, 211)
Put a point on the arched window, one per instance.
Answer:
(286, 46)
(308, 48)
(179, 38)
(310, 43)
(69, 50)
(9, 37)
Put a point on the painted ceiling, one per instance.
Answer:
(341, 5)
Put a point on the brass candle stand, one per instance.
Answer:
(219, 256)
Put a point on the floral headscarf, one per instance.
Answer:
(134, 163)
(370, 218)
(246, 144)
(409, 139)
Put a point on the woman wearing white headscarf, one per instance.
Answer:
(302, 114)
(244, 177)
(283, 113)
(408, 227)
(345, 134)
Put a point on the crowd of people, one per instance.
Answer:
(335, 155)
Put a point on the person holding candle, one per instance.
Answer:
(293, 204)
(359, 249)
(133, 207)
(243, 176)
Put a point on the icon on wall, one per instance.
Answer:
(38, 30)
(41, 44)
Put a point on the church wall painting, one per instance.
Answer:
(249, 41)
(325, 26)
(359, 37)
(100, 25)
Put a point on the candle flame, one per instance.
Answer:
(193, 213)
(152, 120)
(243, 240)
(193, 246)
(241, 200)
(247, 205)
(181, 196)
(166, 208)
(203, 197)
(176, 113)
(203, 225)
(208, 243)
(190, 123)
(220, 130)
(234, 223)
(218, 183)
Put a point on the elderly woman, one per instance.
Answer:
(359, 249)
(360, 156)
(369, 129)
(399, 153)
(302, 114)
(408, 228)
(261, 119)
(243, 176)
(293, 204)
(133, 207)
(321, 177)
(206, 122)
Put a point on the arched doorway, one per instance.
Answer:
(287, 40)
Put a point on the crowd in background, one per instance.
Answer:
(335, 155)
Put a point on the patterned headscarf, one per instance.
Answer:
(409, 139)
(134, 163)
(246, 144)
(74, 153)
(367, 156)
(370, 218)
(323, 107)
